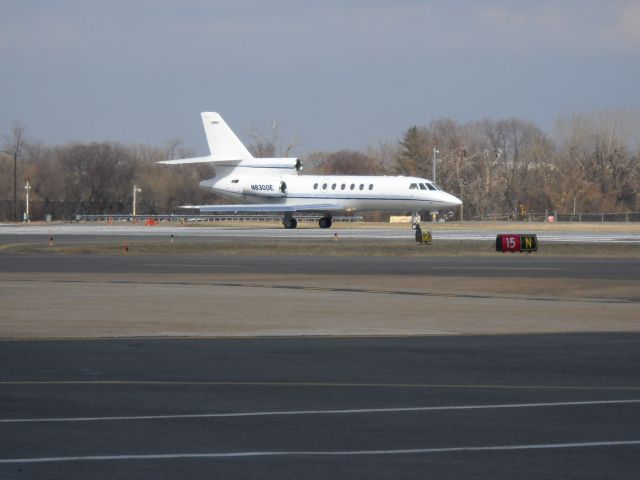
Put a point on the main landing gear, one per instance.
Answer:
(325, 222)
(289, 222)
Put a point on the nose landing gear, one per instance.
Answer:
(415, 220)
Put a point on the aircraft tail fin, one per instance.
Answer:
(227, 152)
(223, 143)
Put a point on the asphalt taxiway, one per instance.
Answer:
(484, 267)
(500, 407)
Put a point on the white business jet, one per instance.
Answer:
(274, 184)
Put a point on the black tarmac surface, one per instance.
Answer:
(523, 389)
(500, 265)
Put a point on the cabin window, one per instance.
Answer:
(234, 181)
(343, 186)
(371, 186)
(413, 186)
(333, 187)
(353, 185)
(315, 186)
(431, 186)
(423, 187)
(324, 186)
(362, 186)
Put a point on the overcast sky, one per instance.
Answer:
(334, 74)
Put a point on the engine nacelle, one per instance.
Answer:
(293, 166)
(264, 187)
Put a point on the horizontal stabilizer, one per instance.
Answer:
(269, 207)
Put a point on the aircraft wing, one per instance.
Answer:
(269, 207)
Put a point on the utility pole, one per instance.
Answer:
(15, 185)
(435, 152)
(27, 187)
(136, 190)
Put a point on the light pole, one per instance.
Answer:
(136, 190)
(15, 181)
(27, 187)
(435, 152)
(462, 184)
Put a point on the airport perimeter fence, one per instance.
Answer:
(561, 217)
(58, 210)
(72, 211)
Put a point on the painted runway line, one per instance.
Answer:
(324, 412)
(412, 451)
(479, 386)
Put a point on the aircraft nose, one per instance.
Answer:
(454, 201)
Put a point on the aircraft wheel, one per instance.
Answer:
(325, 222)
(289, 222)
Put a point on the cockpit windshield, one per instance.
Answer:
(424, 186)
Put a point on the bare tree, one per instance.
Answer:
(348, 162)
(384, 155)
(270, 146)
(597, 162)
(14, 145)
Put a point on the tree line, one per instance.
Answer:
(98, 178)
(589, 163)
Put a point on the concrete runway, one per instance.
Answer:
(499, 407)
(87, 233)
